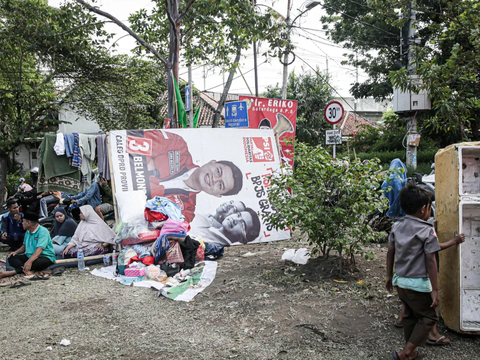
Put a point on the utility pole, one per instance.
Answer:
(190, 113)
(411, 66)
(255, 60)
(285, 54)
(308, 6)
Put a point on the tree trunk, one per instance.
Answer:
(226, 89)
(3, 175)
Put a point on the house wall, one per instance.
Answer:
(26, 155)
(76, 123)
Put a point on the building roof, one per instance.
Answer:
(352, 122)
(207, 111)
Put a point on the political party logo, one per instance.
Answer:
(139, 146)
(258, 149)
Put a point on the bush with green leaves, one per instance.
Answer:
(331, 201)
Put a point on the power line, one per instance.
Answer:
(246, 72)
(326, 82)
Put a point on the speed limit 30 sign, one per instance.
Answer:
(333, 112)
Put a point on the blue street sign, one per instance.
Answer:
(188, 98)
(236, 114)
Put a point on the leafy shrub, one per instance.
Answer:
(330, 201)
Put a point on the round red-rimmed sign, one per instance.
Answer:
(333, 112)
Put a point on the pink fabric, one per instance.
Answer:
(174, 226)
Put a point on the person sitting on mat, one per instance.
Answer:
(63, 230)
(36, 253)
(92, 234)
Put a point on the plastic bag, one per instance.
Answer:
(155, 273)
(136, 233)
(131, 205)
(299, 256)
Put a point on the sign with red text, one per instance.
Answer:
(279, 115)
(219, 178)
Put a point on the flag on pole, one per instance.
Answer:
(196, 116)
(181, 113)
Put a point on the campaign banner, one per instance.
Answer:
(218, 177)
(279, 115)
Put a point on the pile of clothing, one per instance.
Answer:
(158, 247)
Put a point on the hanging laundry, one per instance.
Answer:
(59, 146)
(77, 155)
(69, 141)
(102, 156)
(55, 172)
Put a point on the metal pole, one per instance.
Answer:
(190, 113)
(255, 67)
(285, 55)
(334, 145)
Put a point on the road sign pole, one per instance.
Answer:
(335, 145)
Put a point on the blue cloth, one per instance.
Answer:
(91, 197)
(77, 154)
(166, 207)
(160, 247)
(396, 181)
(212, 251)
(69, 140)
(39, 239)
(11, 226)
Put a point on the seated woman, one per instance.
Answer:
(92, 235)
(63, 230)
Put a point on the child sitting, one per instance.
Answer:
(412, 247)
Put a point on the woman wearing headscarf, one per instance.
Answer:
(63, 230)
(92, 235)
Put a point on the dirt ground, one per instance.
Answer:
(258, 307)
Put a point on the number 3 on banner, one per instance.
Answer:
(138, 145)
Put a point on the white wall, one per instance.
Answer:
(76, 123)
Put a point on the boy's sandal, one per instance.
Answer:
(397, 325)
(442, 341)
(419, 355)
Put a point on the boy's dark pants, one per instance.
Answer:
(419, 317)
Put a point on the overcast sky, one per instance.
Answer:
(312, 48)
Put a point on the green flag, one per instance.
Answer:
(181, 114)
(196, 116)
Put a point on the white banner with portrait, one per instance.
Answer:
(218, 177)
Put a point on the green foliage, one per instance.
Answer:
(330, 201)
(312, 93)
(387, 142)
(446, 57)
(211, 31)
(452, 81)
(386, 157)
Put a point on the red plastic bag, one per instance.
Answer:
(174, 254)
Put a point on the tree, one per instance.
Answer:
(50, 57)
(330, 201)
(453, 81)
(445, 57)
(213, 32)
(312, 93)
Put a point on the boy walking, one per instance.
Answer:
(412, 247)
